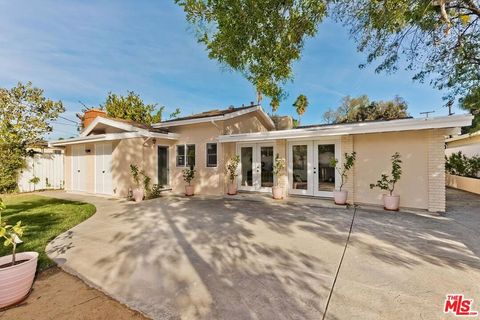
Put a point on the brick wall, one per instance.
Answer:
(436, 170)
(347, 147)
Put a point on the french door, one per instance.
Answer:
(256, 166)
(309, 169)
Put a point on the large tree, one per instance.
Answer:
(260, 39)
(438, 39)
(362, 109)
(25, 116)
(132, 107)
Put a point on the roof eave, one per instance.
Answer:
(357, 128)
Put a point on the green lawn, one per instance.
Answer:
(44, 218)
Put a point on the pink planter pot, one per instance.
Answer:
(137, 194)
(232, 189)
(340, 197)
(277, 192)
(391, 203)
(16, 281)
(189, 190)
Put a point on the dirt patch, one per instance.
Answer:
(59, 295)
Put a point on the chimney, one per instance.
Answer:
(90, 115)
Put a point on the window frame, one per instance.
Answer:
(206, 155)
(177, 155)
(187, 147)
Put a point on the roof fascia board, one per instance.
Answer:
(357, 128)
(111, 123)
(463, 136)
(112, 136)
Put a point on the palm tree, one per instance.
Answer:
(301, 105)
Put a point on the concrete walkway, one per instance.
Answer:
(232, 259)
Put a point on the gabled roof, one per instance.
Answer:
(354, 128)
(216, 115)
(129, 129)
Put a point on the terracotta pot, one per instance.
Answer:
(340, 197)
(16, 281)
(391, 203)
(232, 189)
(189, 190)
(137, 194)
(277, 192)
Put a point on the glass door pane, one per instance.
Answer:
(300, 167)
(246, 160)
(326, 173)
(266, 165)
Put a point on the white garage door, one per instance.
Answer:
(78, 168)
(103, 168)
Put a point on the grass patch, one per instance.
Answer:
(44, 218)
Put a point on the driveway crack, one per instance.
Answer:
(340, 264)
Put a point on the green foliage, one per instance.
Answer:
(439, 40)
(135, 174)
(175, 114)
(25, 116)
(274, 103)
(45, 218)
(232, 166)
(188, 175)
(347, 165)
(132, 107)
(301, 104)
(362, 109)
(10, 233)
(35, 180)
(278, 166)
(461, 165)
(386, 182)
(260, 39)
(146, 182)
(155, 191)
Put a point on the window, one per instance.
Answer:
(185, 155)
(211, 154)
(181, 156)
(190, 155)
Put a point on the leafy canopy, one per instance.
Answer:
(439, 40)
(132, 107)
(260, 39)
(362, 109)
(301, 104)
(25, 116)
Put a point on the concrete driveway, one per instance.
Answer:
(231, 259)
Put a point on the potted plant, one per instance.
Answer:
(188, 176)
(17, 270)
(232, 166)
(340, 196)
(278, 167)
(137, 192)
(390, 201)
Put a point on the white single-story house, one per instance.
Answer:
(98, 160)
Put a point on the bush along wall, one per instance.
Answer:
(460, 165)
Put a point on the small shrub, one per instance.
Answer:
(188, 175)
(460, 165)
(343, 171)
(11, 233)
(386, 182)
(35, 180)
(278, 166)
(232, 166)
(155, 191)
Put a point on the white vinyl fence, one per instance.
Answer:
(48, 167)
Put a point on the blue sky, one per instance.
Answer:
(81, 50)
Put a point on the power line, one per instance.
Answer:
(65, 124)
(62, 117)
